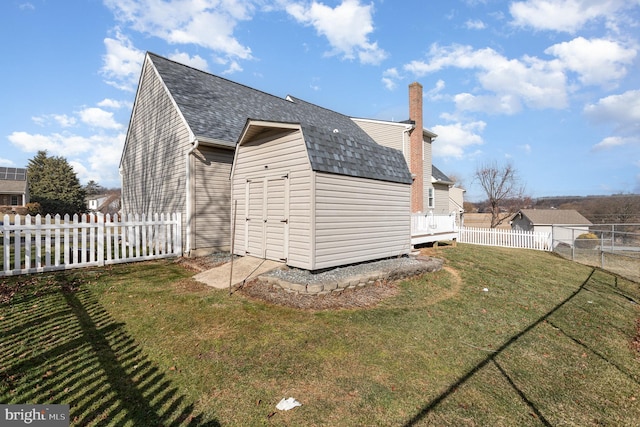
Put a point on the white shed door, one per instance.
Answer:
(267, 217)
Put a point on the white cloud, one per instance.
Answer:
(623, 110)
(454, 139)
(475, 24)
(195, 61)
(206, 23)
(596, 61)
(5, 162)
(61, 120)
(565, 15)
(121, 63)
(347, 28)
(114, 104)
(434, 93)
(390, 78)
(526, 148)
(102, 163)
(61, 144)
(510, 82)
(98, 118)
(102, 152)
(615, 141)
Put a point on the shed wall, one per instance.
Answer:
(282, 152)
(359, 220)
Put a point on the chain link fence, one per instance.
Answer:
(612, 247)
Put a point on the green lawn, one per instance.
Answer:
(549, 343)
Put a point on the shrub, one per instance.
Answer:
(587, 241)
(33, 208)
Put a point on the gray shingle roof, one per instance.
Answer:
(218, 109)
(439, 175)
(555, 216)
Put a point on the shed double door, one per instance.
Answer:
(267, 222)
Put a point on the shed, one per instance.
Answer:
(318, 199)
(565, 224)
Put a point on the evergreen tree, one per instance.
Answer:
(54, 184)
(92, 188)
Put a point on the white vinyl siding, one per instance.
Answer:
(387, 134)
(212, 198)
(283, 152)
(153, 161)
(359, 220)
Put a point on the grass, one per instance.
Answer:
(549, 343)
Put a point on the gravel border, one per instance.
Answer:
(351, 276)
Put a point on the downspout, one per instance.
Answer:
(406, 130)
(189, 208)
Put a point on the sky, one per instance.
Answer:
(551, 87)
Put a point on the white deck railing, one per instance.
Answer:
(505, 238)
(430, 227)
(37, 244)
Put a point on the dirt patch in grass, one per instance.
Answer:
(363, 297)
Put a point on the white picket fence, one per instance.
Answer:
(37, 244)
(505, 238)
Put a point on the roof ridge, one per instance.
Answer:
(216, 76)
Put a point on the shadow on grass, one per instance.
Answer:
(431, 406)
(59, 345)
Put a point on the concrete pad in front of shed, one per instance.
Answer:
(244, 269)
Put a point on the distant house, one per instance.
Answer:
(308, 186)
(104, 203)
(543, 220)
(14, 188)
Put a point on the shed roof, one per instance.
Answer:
(217, 109)
(554, 216)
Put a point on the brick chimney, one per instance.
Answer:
(415, 147)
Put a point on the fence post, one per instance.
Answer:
(5, 244)
(100, 237)
(602, 250)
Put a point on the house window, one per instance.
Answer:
(431, 202)
(14, 201)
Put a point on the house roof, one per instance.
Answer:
(217, 110)
(13, 180)
(554, 216)
(439, 176)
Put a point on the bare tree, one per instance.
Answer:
(502, 186)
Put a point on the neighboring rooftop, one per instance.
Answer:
(439, 176)
(217, 110)
(554, 216)
(13, 174)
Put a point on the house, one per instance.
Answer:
(14, 187)
(308, 185)
(564, 224)
(104, 203)
(434, 195)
